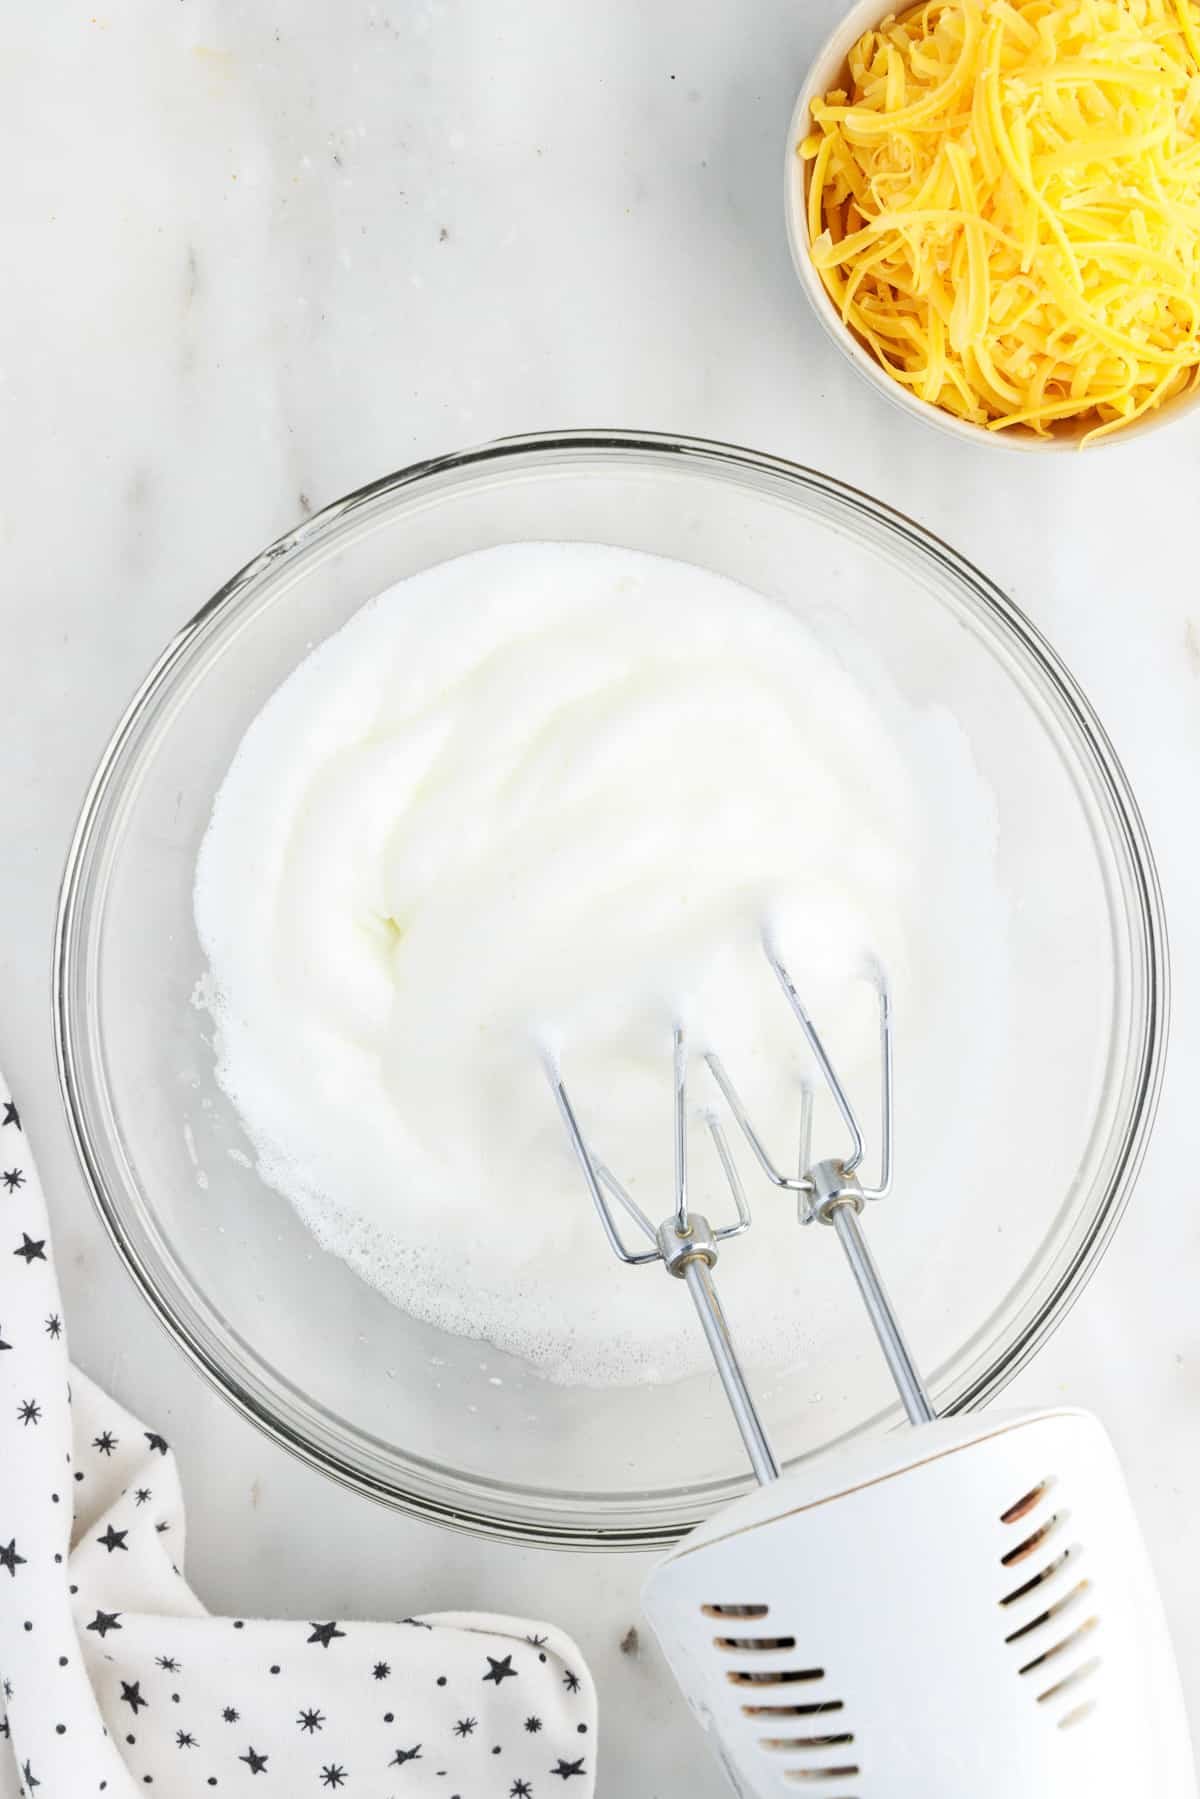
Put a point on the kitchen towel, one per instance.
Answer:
(117, 1681)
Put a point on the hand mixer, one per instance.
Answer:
(964, 1610)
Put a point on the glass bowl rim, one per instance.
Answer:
(1146, 920)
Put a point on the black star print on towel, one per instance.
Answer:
(10, 1559)
(167, 1702)
(11, 1115)
(132, 1695)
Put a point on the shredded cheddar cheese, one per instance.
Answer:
(1004, 204)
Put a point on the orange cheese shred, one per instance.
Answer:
(1004, 205)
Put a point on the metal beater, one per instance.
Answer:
(829, 1192)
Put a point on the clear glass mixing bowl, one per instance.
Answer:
(982, 1268)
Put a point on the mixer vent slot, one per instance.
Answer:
(844, 1771)
(814, 1710)
(752, 1643)
(1077, 1716)
(1025, 1504)
(1069, 1681)
(792, 1743)
(1025, 1549)
(1050, 1636)
(734, 1611)
(772, 1677)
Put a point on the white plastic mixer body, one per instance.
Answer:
(964, 1610)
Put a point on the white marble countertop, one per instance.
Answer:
(263, 254)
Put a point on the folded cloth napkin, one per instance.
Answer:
(115, 1678)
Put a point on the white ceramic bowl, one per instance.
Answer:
(826, 71)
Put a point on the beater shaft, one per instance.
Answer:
(909, 1384)
(697, 1274)
(741, 1404)
(690, 1255)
